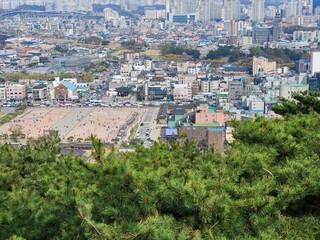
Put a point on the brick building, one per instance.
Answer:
(206, 135)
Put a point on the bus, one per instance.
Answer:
(95, 102)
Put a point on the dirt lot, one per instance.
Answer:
(74, 123)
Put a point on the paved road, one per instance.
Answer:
(73, 118)
(147, 128)
(8, 110)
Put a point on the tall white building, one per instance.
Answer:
(9, 4)
(12, 4)
(216, 9)
(72, 5)
(231, 9)
(49, 5)
(168, 6)
(258, 10)
(185, 6)
(58, 5)
(204, 10)
(292, 8)
(315, 63)
(110, 14)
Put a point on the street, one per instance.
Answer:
(147, 130)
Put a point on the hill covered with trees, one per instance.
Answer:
(266, 186)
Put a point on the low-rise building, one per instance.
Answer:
(286, 90)
(3, 95)
(65, 91)
(40, 92)
(182, 91)
(207, 114)
(16, 91)
(206, 135)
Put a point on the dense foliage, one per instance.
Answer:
(177, 50)
(301, 103)
(224, 51)
(266, 186)
(233, 53)
(276, 54)
(84, 77)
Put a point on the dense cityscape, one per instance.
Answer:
(126, 88)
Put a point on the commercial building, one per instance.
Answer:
(16, 91)
(182, 18)
(40, 92)
(267, 34)
(182, 91)
(262, 35)
(206, 114)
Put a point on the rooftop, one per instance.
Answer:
(203, 125)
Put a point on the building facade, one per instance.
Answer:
(258, 10)
(261, 64)
(16, 91)
(315, 63)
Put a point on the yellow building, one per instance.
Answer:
(262, 64)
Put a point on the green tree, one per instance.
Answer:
(293, 55)
(303, 103)
(98, 148)
(87, 77)
(16, 131)
(14, 77)
(223, 51)
(61, 49)
(177, 50)
(265, 186)
(67, 75)
(105, 42)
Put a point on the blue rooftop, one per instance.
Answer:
(304, 60)
(69, 85)
(171, 131)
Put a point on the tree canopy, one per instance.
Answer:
(177, 50)
(276, 54)
(266, 186)
(302, 103)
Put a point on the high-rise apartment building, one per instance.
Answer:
(315, 63)
(258, 10)
(231, 9)
(58, 5)
(12, 4)
(110, 14)
(185, 6)
(204, 10)
(315, 5)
